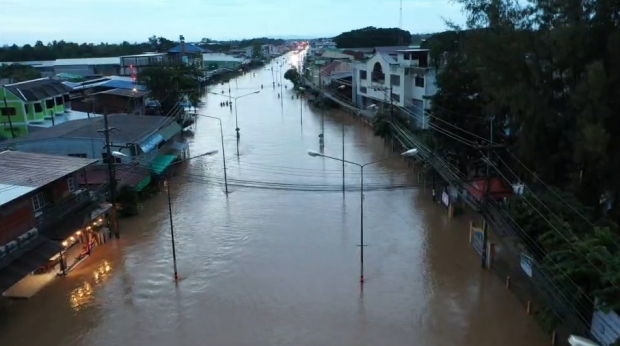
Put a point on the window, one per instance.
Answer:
(114, 159)
(407, 56)
(26, 108)
(38, 108)
(363, 90)
(78, 155)
(395, 97)
(394, 80)
(8, 111)
(363, 74)
(59, 100)
(71, 184)
(49, 103)
(419, 82)
(39, 201)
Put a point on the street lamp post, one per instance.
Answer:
(301, 106)
(223, 152)
(167, 186)
(237, 129)
(312, 153)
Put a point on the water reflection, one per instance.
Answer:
(83, 296)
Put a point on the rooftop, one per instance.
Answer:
(189, 48)
(88, 61)
(131, 129)
(220, 57)
(124, 93)
(143, 55)
(21, 173)
(37, 89)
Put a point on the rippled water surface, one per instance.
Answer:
(279, 267)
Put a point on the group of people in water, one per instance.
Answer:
(226, 104)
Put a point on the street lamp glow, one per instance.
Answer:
(119, 154)
(574, 340)
(410, 152)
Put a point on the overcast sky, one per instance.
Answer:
(136, 20)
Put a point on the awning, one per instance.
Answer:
(170, 130)
(142, 184)
(161, 162)
(69, 225)
(27, 263)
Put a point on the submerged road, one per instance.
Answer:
(267, 267)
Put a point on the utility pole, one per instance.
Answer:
(487, 190)
(343, 193)
(6, 105)
(322, 134)
(111, 173)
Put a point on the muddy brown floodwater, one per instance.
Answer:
(267, 267)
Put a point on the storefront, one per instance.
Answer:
(79, 245)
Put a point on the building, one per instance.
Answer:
(88, 67)
(44, 216)
(317, 47)
(216, 61)
(247, 52)
(144, 139)
(30, 102)
(399, 75)
(188, 54)
(114, 94)
(133, 64)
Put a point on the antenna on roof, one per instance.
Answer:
(400, 23)
(400, 19)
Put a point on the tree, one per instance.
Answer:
(293, 76)
(19, 73)
(171, 83)
(373, 37)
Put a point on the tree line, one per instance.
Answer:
(69, 50)
(371, 36)
(542, 79)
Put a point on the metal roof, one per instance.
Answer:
(38, 89)
(131, 129)
(189, 48)
(32, 171)
(220, 57)
(125, 93)
(122, 84)
(143, 55)
(88, 61)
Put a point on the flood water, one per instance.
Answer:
(270, 264)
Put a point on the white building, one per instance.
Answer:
(400, 75)
(320, 46)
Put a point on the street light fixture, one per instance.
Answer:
(167, 185)
(574, 340)
(410, 152)
(236, 98)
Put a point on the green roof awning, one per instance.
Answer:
(170, 130)
(161, 162)
(142, 184)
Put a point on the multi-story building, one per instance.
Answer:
(133, 64)
(43, 214)
(30, 102)
(398, 75)
(187, 53)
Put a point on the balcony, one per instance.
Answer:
(51, 215)
(378, 77)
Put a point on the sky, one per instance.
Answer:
(135, 20)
